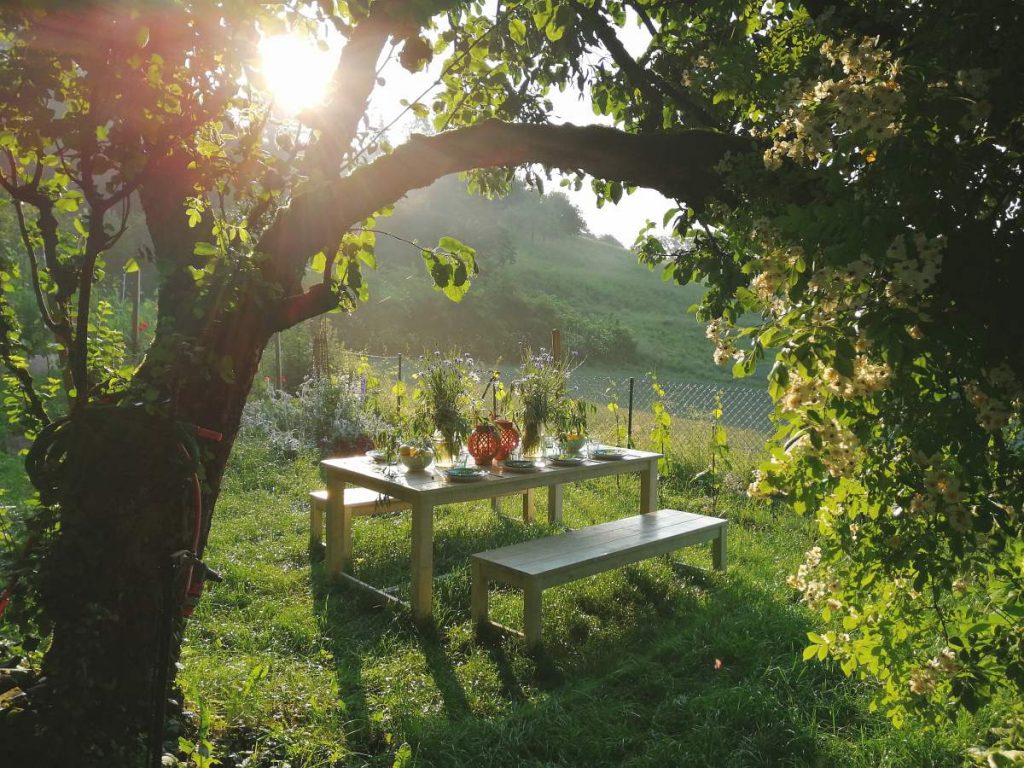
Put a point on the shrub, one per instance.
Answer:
(322, 415)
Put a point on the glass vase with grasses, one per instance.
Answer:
(442, 392)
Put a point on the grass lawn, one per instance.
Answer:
(662, 664)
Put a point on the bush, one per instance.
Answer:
(322, 415)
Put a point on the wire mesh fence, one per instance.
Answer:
(624, 405)
(746, 412)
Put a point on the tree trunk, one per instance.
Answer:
(126, 506)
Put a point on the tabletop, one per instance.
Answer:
(433, 487)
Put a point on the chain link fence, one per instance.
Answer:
(746, 411)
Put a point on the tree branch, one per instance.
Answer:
(292, 310)
(354, 81)
(60, 330)
(653, 87)
(680, 165)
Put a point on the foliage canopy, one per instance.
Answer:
(851, 173)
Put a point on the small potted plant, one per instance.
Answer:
(571, 424)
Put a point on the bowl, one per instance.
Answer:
(573, 446)
(418, 461)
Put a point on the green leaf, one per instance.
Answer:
(205, 249)
(403, 757)
(517, 31)
(131, 266)
(67, 204)
(452, 245)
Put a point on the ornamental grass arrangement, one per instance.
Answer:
(539, 392)
(443, 393)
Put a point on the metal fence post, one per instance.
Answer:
(629, 420)
(277, 361)
(399, 405)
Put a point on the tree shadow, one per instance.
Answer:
(651, 665)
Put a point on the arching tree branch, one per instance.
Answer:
(680, 165)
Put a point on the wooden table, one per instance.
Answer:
(425, 491)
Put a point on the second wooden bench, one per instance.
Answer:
(535, 565)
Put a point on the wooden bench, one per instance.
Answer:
(535, 565)
(361, 501)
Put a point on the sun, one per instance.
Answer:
(296, 71)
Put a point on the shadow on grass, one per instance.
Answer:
(663, 664)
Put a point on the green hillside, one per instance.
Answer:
(534, 276)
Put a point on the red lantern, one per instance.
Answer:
(509, 438)
(484, 444)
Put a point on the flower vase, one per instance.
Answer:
(533, 441)
(444, 457)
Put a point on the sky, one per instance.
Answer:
(294, 65)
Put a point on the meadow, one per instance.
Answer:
(666, 663)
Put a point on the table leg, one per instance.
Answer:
(649, 487)
(339, 529)
(554, 503)
(719, 557)
(529, 505)
(496, 505)
(422, 560)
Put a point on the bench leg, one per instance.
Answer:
(532, 595)
(554, 503)
(718, 555)
(478, 597)
(316, 522)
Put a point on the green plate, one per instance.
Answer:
(567, 461)
(520, 465)
(608, 453)
(464, 474)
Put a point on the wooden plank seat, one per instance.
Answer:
(535, 565)
(362, 502)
